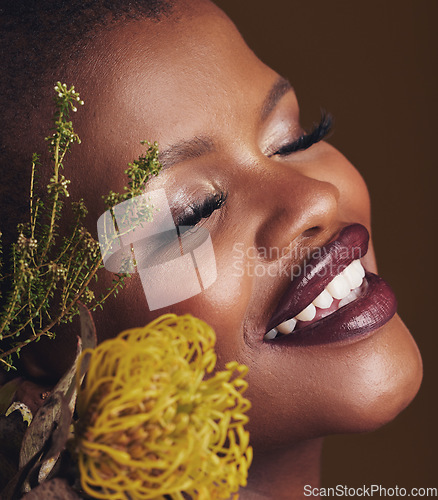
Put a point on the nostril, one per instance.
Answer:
(311, 231)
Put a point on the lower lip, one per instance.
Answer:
(366, 314)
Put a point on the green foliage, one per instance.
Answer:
(47, 273)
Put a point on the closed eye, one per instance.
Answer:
(308, 139)
(202, 210)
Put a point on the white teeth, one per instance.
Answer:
(353, 295)
(307, 314)
(338, 287)
(271, 334)
(287, 326)
(350, 278)
(344, 287)
(359, 267)
(324, 300)
(353, 276)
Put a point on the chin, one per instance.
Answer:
(382, 384)
(357, 386)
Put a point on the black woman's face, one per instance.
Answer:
(194, 81)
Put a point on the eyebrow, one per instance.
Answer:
(186, 150)
(199, 146)
(278, 90)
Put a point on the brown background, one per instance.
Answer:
(373, 65)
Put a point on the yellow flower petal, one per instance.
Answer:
(150, 422)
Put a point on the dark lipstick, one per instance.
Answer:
(373, 308)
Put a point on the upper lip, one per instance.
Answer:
(316, 274)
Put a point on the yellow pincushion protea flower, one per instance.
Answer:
(151, 424)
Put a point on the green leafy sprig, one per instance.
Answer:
(47, 273)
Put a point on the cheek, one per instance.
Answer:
(224, 304)
(354, 200)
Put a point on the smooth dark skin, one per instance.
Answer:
(195, 77)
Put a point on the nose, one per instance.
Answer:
(299, 210)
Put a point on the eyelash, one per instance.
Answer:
(308, 139)
(202, 210)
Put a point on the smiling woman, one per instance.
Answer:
(297, 297)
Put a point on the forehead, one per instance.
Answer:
(156, 78)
